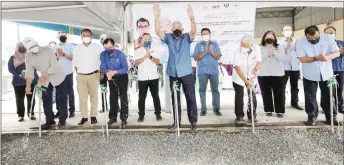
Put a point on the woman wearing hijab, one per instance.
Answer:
(271, 75)
(16, 66)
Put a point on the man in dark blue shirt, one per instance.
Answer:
(179, 66)
(115, 66)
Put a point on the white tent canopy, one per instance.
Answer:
(99, 16)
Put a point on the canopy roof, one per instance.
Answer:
(101, 16)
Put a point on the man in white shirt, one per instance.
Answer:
(64, 55)
(148, 76)
(247, 60)
(291, 65)
(86, 59)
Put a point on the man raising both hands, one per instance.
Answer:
(179, 66)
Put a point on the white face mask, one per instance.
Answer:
(205, 38)
(333, 36)
(287, 34)
(244, 50)
(34, 49)
(86, 40)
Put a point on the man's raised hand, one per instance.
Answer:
(156, 10)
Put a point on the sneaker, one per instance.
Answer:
(203, 113)
(140, 119)
(217, 113)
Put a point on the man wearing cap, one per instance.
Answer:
(63, 53)
(44, 61)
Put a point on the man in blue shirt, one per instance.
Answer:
(179, 66)
(338, 68)
(207, 53)
(291, 65)
(115, 66)
(316, 51)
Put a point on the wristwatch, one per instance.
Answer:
(63, 54)
(192, 18)
(150, 57)
(315, 59)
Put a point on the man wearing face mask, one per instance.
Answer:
(316, 52)
(338, 67)
(44, 60)
(86, 59)
(64, 56)
(148, 77)
(291, 65)
(207, 53)
(179, 66)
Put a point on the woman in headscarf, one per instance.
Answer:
(16, 66)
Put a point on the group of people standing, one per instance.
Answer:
(271, 64)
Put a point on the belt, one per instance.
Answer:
(89, 73)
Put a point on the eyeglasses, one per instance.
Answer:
(143, 27)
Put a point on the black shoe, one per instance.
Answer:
(174, 126)
(32, 117)
(158, 117)
(93, 120)
(280, 115)
(140, 119)
(83, 121)
(269, 114)
(249, 121)
(193, 125)
(239, 120)
(203, 113)
(72, 114)
(310, 122)
(124, 123)
(61, 125)
(57, 115)
(101, 111)
(21, 119)
(296, 106)
(48, 125)
(111, 121)
(335, 122)
(217, 113)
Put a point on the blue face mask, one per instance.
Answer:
(109, 51)
(147, 44)
(314, 41)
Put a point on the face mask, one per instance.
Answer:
(206, 38)
(21, 49)
(147, 44)
(244, 50)
(86, 40)
(333, 36)
(314, 41)
(109, 51)
(269, 41)
(287, 33)
(63, 39)
(34, 49)
(177, 33)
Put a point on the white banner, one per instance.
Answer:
(228, 22)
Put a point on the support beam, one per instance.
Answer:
(105, 20)
(43, 8)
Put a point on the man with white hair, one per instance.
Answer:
(247, 60)
(44, 60)
(179, 66)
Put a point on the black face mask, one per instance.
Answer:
(314, 41)
(177, 33)
(63, 38)
(269, 41)
(21, 49)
